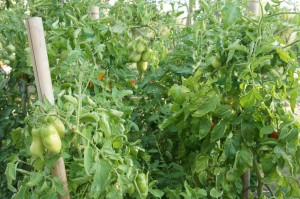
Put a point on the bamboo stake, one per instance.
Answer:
(38, 51)
(254, 7)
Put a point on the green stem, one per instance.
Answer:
(260, 184)
(281, 13)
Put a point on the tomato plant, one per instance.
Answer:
(147, 107)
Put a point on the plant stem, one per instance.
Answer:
(260, 184)
(246, 184)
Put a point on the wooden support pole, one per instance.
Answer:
(246, 185)
(254, 6)
(38, 50)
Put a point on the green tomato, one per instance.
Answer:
(59, 126)
(142, 183)
(12, 57)
(51, 139)
(141, 47)
(217, 62)
(36, 148)
(147, 55)
(11, 48)
(142, 66)
(135, 57)
(131, 189)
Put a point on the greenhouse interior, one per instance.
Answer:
(170, 99)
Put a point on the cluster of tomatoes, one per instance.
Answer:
(47, 136)
(140, 55)
(9, 54)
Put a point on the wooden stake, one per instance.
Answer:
(254, 7)
(38, 50)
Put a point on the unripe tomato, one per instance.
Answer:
(12, 57)
(147, 55)
(11, 48)
(141, 47)
(142, 183)
(142, 66)
(36, 148)
(51, 139)
(59, 126)
(135, 57)
(131, 189)
(217, 62)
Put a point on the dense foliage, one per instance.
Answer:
(149, 107)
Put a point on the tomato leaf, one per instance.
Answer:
(156, 192)
(205, 125)
(267, 130)
(208, 105)
(219, 130)
(231, 14)
(88, 158)
(101, 177)
(201, 163)
(11, 173)
(215, 193)
(35, 178)
(248, 99)
(284, 56)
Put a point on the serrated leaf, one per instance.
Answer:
(215, 193)
(284, 56)
(248, 99)
(218, 131)
(101, 177)
(35, 178)
(201, 163)
(204, 128)
(231, 14)
(88, 159)
(156, 192)
(208, 105)
(267, 130)
(11, 173)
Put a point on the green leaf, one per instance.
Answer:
(101, 178)
(215, 193)
(178, 93)
(11, 173)
(284, 56)
(118, 28)
(104, 124)
(248, 99)
(219, 130)
(58, 186)
(231, 145)
(35, 178)
(205, 125)
(201, 163)
(267, 130)
(208, 105)
(156, 192)
(88, 158)
(231, 14)
(248, 130)
(243, 161)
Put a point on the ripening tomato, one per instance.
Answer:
(274, 135)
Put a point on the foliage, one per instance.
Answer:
(203, 113)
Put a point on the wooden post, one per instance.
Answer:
(254, 7)
(246, 185)
(38, 50)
